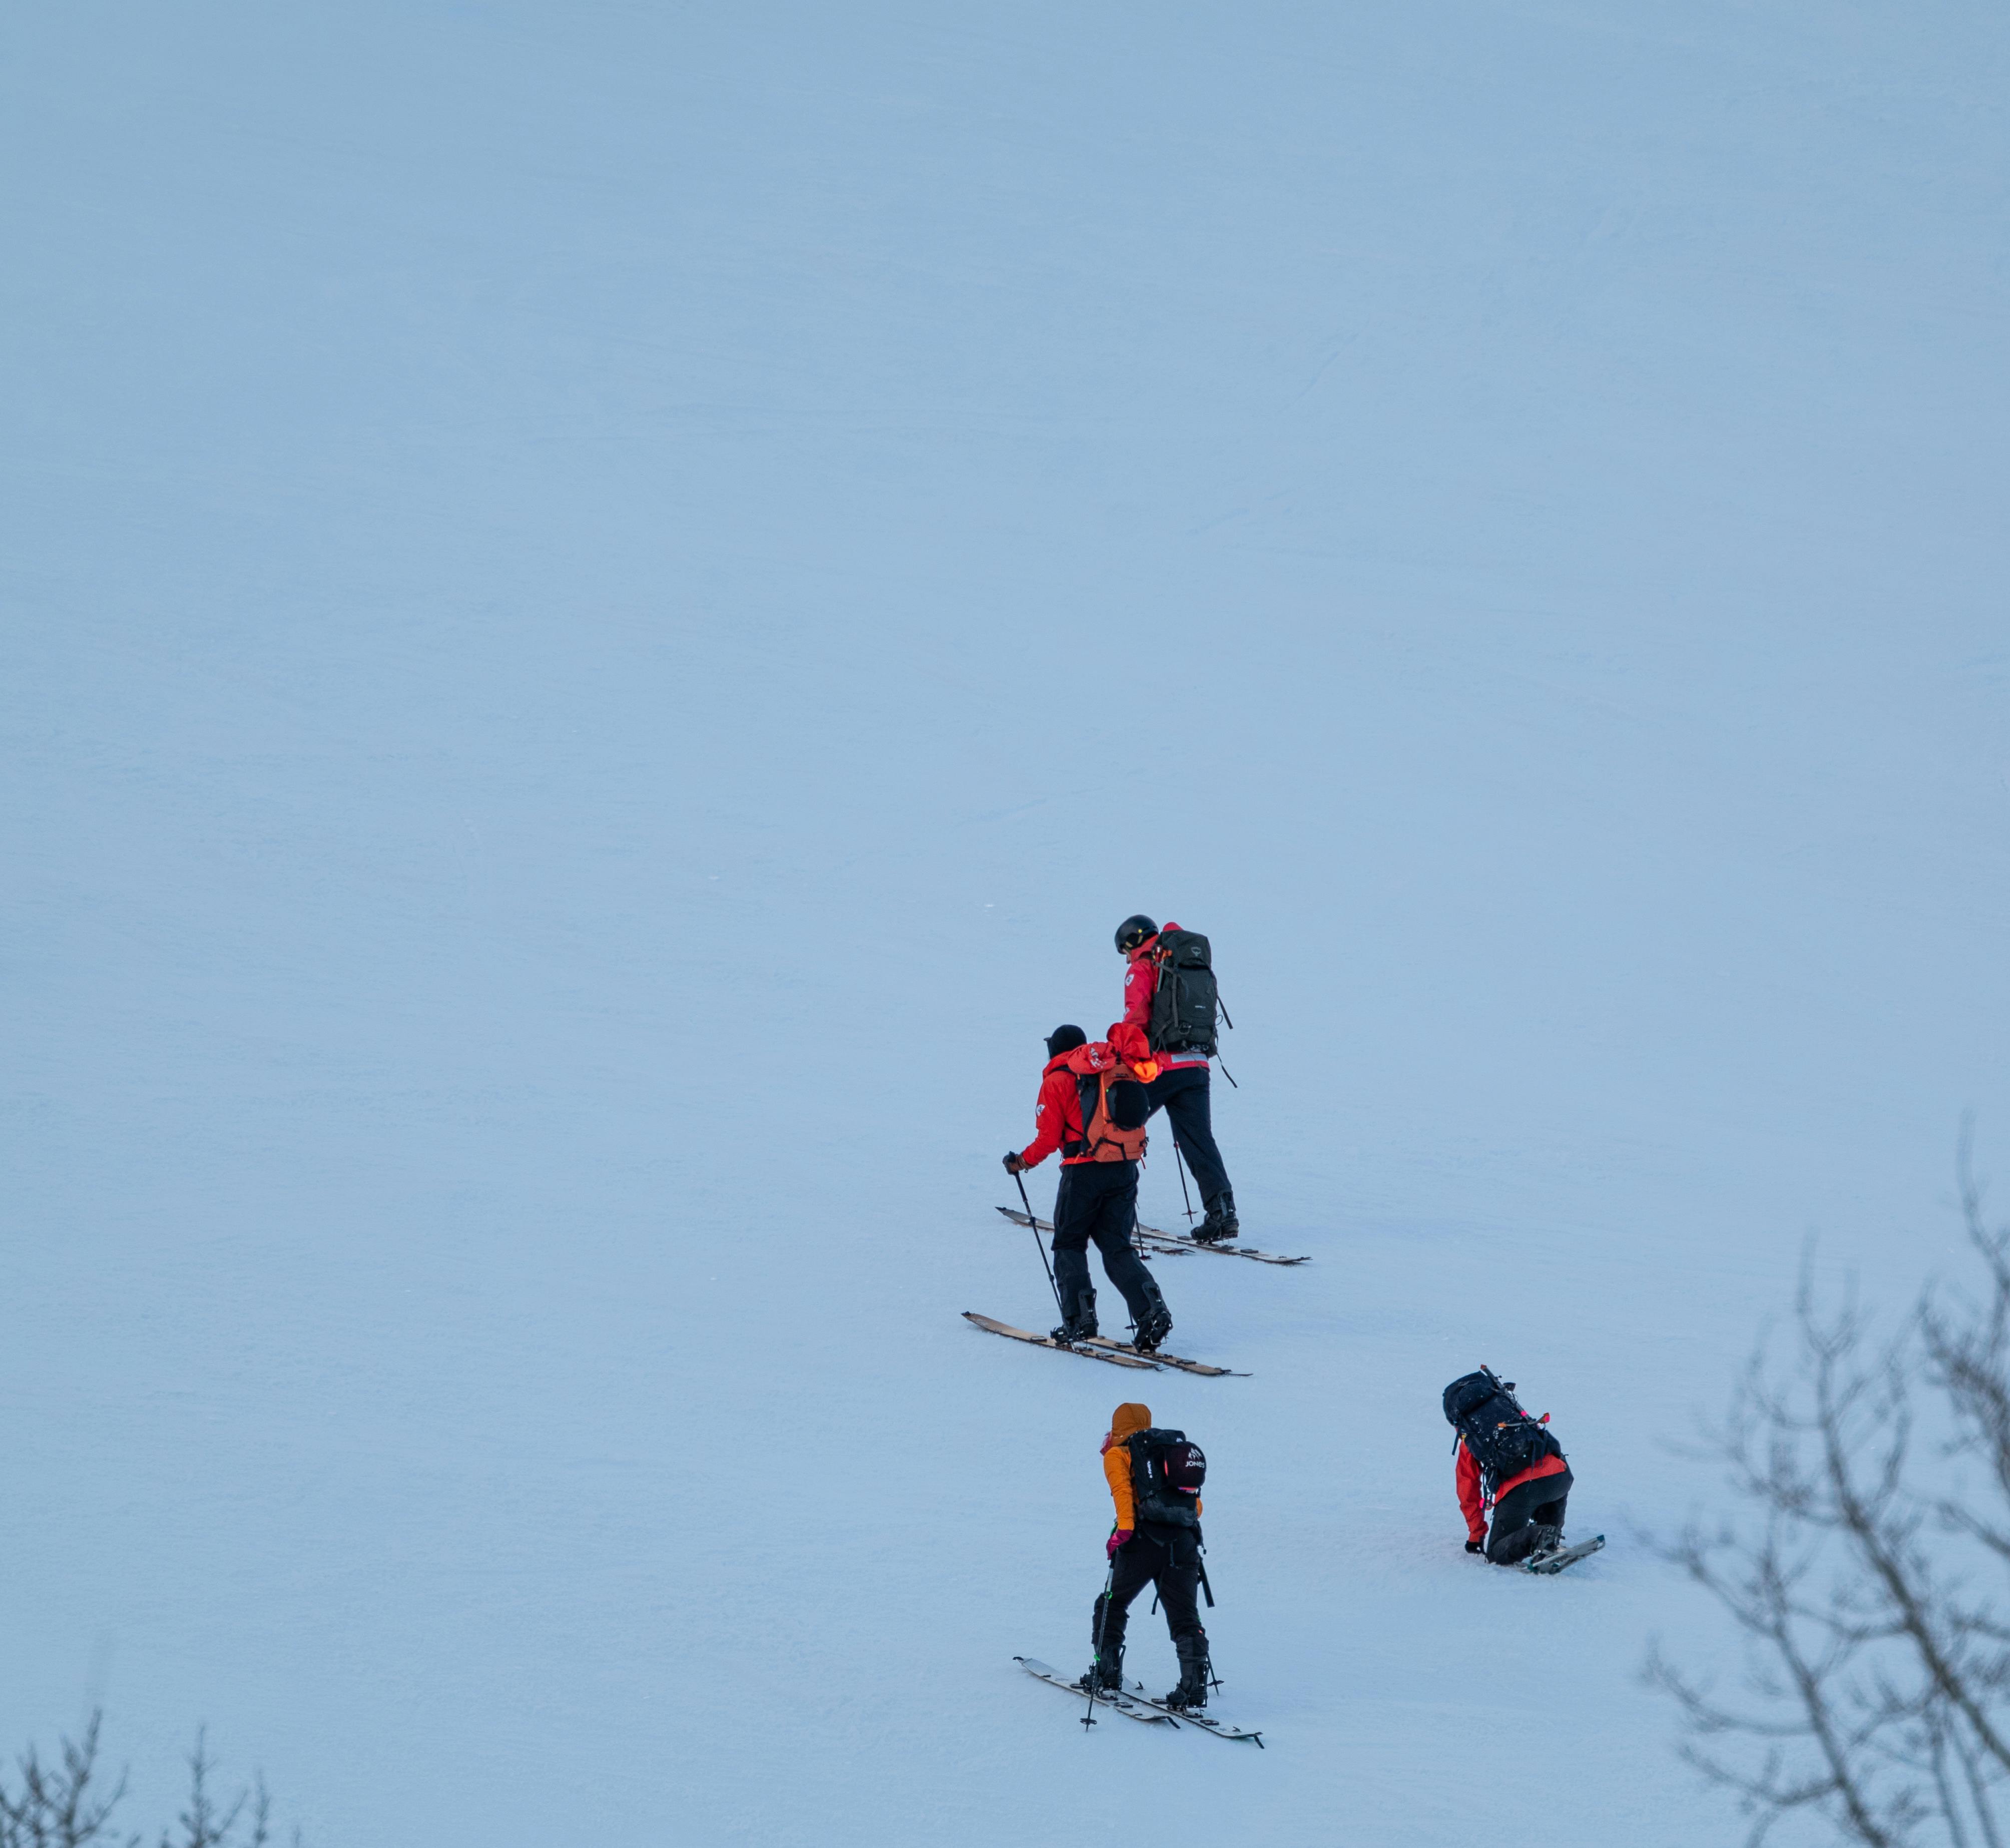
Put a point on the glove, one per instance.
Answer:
(1475, 1546)
(1014, 1164)
(1116, 1540)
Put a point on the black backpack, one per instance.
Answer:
(1184, 1004)
(1166, 1472)
(1503, 1439)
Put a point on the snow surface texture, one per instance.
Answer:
(605, 605)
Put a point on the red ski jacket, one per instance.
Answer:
(1139, 987)
(1057, 1114)
(1472, 1498)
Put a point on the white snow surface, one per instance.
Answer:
(604, 607)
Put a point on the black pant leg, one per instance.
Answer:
(1111, 1226)
(1074, 1210)
(1178, 1584)
(1512, 1531)
(1183, 1094)
(1138, 1563)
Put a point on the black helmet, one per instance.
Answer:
(1065, 1039)
(1135, 930)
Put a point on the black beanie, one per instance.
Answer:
(1065, 1039)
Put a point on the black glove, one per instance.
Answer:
(1012, 1164)
(1475, 1546)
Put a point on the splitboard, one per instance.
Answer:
(1167, 1244)
(993, 1327)
(1555, 1562)
(1190, 1717)
(1159, 1358)
(1131, 1710)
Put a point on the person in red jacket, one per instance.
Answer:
(1528, 1509)
(1181, 1089)
(1098, 1196)
(1528, 1504)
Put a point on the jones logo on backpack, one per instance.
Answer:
(1166, 1475)
(1184, 1002)
(1502, 1439)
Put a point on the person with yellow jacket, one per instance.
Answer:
(1155, 1478)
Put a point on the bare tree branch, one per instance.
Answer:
(1864, 1578)
(61, 1807)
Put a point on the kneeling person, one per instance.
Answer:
(1087, 1111)
(1155, 1480)
(1511, 1462)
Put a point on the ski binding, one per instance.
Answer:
(1547, 1563)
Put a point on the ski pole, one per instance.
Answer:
(1033, 1221)
(1180, 1161)
(1200, 1560)
(1096, 1668)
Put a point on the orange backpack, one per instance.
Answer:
(1114, 1107)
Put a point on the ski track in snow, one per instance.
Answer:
(603, 608)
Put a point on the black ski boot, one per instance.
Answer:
(1195, 1670)
(1220, 1222)
(1105, 1673)
(1078, 1317)
(1157, 1325)
(1549, 1539)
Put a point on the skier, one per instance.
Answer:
(1154, 1479)
(1087, 1093)
(1519, 1468)
(1181, 1089)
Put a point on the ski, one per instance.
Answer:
(1169, 1243)
(1556, 1561)
(1040, 1671)
(1180, 1242)
(1159, 1358)
(991, 1327)
(1190, 1716)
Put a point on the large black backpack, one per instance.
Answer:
(1166, 1472)
(1503, 1439)
(1184, 1004)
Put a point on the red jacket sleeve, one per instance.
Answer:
(1139, 987)
(1471, 1503)
(1056, 1118)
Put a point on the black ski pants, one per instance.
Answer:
(1517, 1513)
(1173, 1564)
(1099, 1200)
(1182, 1094)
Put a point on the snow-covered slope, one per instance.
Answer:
(604, 607)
